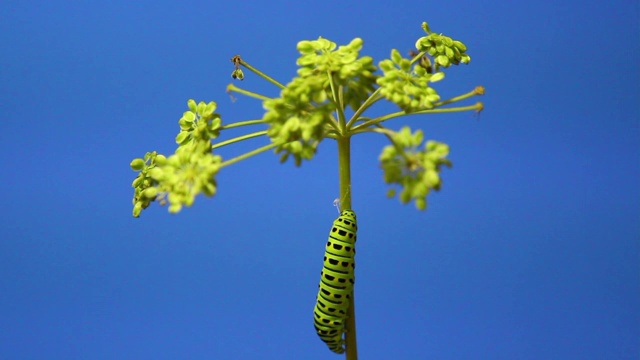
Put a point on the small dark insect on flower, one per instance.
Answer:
(236, 61)
(237, 72)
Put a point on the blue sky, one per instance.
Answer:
(530, 251)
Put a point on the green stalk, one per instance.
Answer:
(366, 104)
(417, 57)
(239, 138)
(232, 87)
(344, 171)
(360, 127)
(475, 92)
(261, 74)
(337, 99)
(243, 123)
(247, 155)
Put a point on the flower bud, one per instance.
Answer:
(137, 164)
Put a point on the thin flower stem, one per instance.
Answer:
(261, 74)
(339, 106)
(475, 92)
(248, 155)
(365, 105)
(243, 123)
(390, 134)
(231, 87)
(418, 57)
(237, 139)
(382, 130)
(477, 107)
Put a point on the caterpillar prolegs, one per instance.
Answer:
(336, 282)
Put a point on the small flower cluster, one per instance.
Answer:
(144, 185)
(191, 170)
(199, 125)
(443, 49)
(416, 170)
(296, 119)
(184, 175)
(407, 85)
(348, 69)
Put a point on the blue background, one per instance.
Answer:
(530, 251)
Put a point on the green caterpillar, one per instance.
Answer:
(336, 282)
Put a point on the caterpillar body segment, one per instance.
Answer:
(336, 282)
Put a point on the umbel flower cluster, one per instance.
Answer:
(415, 169)
(189, 171)
(334, 87)
(298, 118)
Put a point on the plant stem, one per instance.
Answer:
(344, 171)
(337, 99)
(243, 123)
(475, 92)
(352, 345)
(248, 155)
(375, 96)
(232, 87)
(261, 74)
(239, 138)
(360, 127)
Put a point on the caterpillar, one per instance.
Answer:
(336, 282)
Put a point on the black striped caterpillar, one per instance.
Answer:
(336, 282)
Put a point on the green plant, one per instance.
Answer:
(328, 98)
